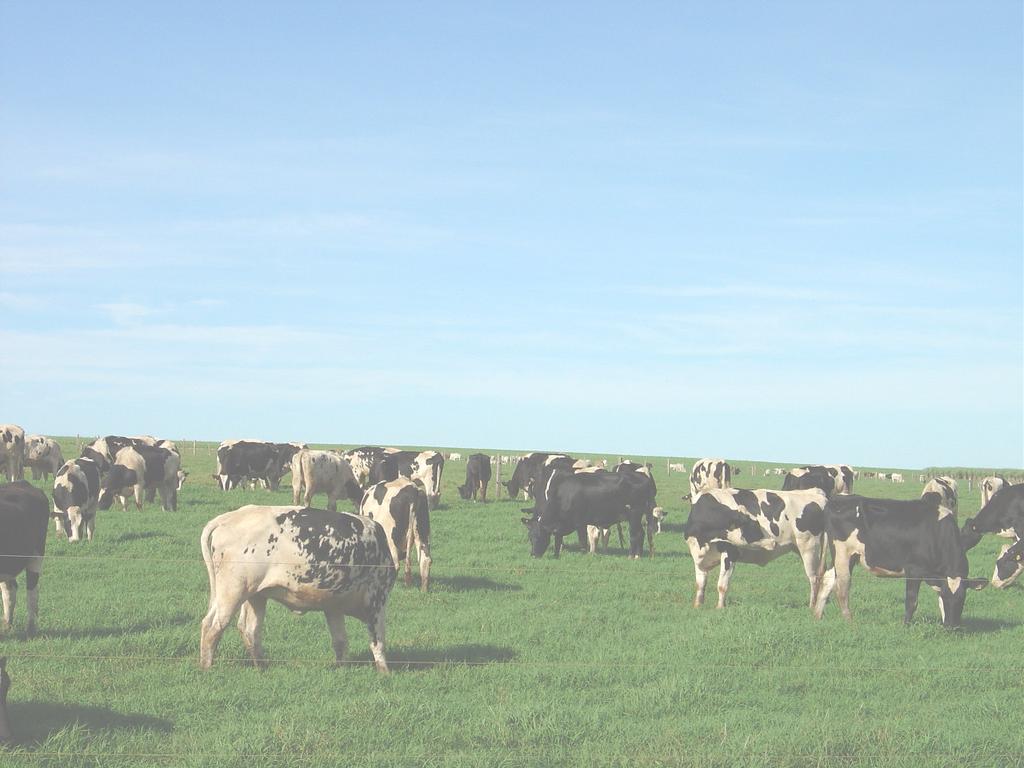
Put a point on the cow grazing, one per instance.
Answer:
(570, 502)
(677, 468)
(24, 515)
(728, 526)
(916, 540)
(326, 472)
(5, 721)
(400, 507)
(1009, 565)
(182, 477)
(528, 471)
(708, 474)
(76, 491)
(896, 477)
(12, 451)
(989, 487)
(43, 456)
(1003, 516)
(478, 475)
(127, 476)
(306, 559)
(454, 457)
(944, 489)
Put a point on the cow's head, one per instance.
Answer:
(539, 532)
(119, 479)
(657, 515)
(182, 476)
(953, 595)
(1009, 566)
(465, 492)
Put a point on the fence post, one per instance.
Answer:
(497, 481)
(193, 447)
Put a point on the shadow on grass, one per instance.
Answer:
(33, 722)
(672, 527)
(139, 535)
(987, 625)
(422, 659)
(473, 583)
(77, 633)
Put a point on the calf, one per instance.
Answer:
(126, 476)
(989, 487)
(327, 472)
(307, 560)
(728, 526)
(76, 491)
(914, 540)
(944, 489)
(24, 514)
(12, 451)
(1003, 515)
(43, 456)
(478, 475)
(400, 507)
(1009, 565)
(708, 474)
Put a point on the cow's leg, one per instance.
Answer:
(376, 629)
(636, 538)
(296, 487)
(224, 602)
(650, 534)
(811, 554)
(483, 492)
(9, 594)
(410, 537)
(424, 556)
(725, 572)
(910, 602)
(558, 544)
(843, 567)
(336, 626)
(332, 502)
(90, 525)
(584, 540)
(250, 625)
(138, 497)
(32, 571)
(593, 538)
(701, 577)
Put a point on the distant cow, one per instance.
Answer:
(24, 515)
(708, 474)
(896, 477)
(400, 507)
(127, 476)
(677, 468)
(454, 457)
(527, 471)
(12, 451)
(478, 475)
(1003, 516)
(729, 526)
(326, 472)
(945, 490)
(1009, 565)
(43, 456)
(306, 559)
(915, 540)
(76, 491)
(257, 460)
(989, 487)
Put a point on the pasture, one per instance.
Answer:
(508, 660)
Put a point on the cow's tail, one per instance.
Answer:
(206, 544)
(421, 514)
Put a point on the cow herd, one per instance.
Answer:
(345, 564)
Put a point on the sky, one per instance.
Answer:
(781, 232)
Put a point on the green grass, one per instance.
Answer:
(508, 660)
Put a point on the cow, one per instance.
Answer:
(326, 472)
(5, 721)
(76, 492)
(896, 477)
(989, 487)
(24, 516)
(915, 540)
(254, 459)
(43, 456)
(12, 451)
(1003, 516)
(126, 476)
(1009, 565)
(730, 525)
(454, 457)
(804, 478)
(182, 477)
(478, 475)
(425, 466)
(362, 461)
(400, 507)
(527, 471)
(708, 474)
(306, 559)
(570, 502)
(162, 470)
(944, 488)
(677, 468)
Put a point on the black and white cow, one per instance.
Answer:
(728, 526)
(163, 467)
(1003, 516)
(478, 475)
(528, 471)
(126, 477)
(12, 451)
(708, 474)
(306, 559)
(76, 492)
(326, 472)
(43, 456)
(5, 720)
(990, 486)
(571, 502)
(400, 507)
(24, 515)
(257, 460)
(915, 540)
(944, 488)
(1009, 565)
(363, 459)
(425, 466)
(804, 478)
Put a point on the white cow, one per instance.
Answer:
(127, 477)
(12, 451)
(43, 456)
(325, 472)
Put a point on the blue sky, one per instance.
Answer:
(783, 232)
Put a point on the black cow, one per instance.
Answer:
(5, 685)
(238, 460)
(571, 502)
(1003, 516)
(915, 540)
(805, 478)
(478, 475)
(529, 470)
(24, 515)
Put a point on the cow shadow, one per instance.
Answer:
(474, 583)
(34, 722)
(423, 659)
(987, 625)
(136, 536)
(672, 527)
(75, 633)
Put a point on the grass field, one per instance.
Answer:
(508, 660)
